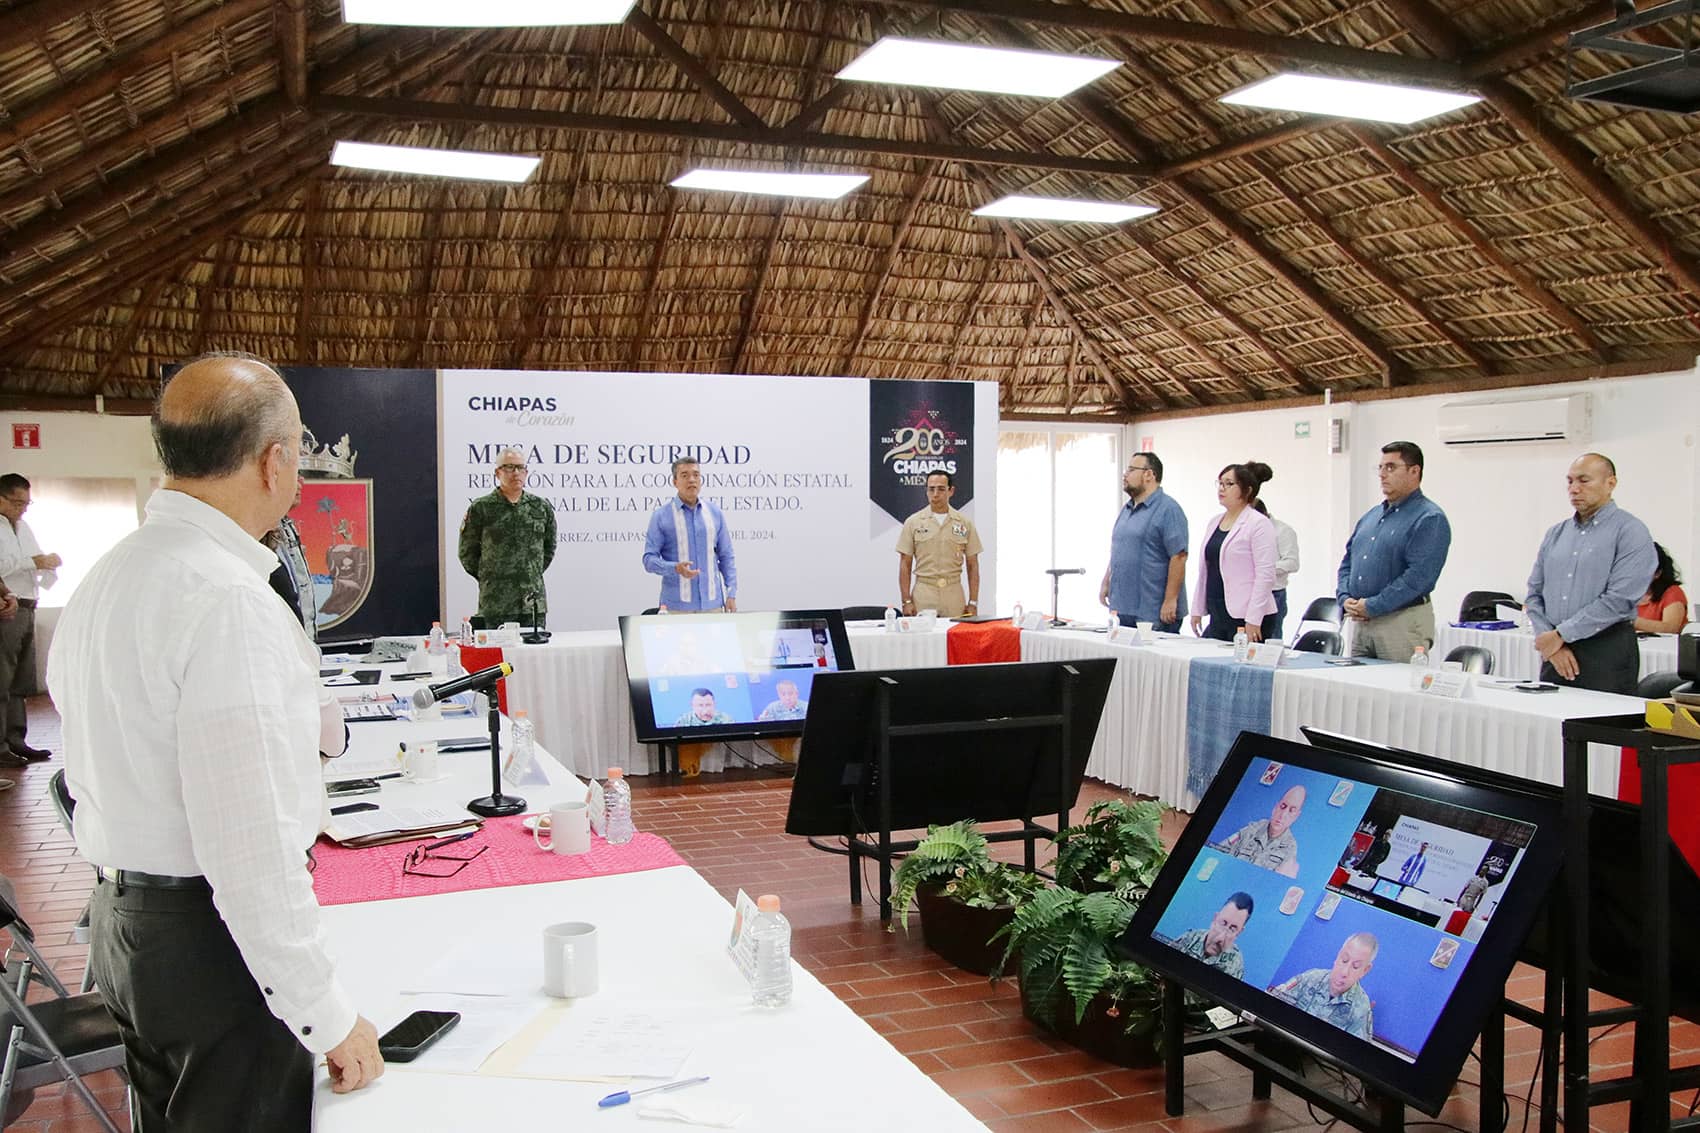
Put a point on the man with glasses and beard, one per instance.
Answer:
(1145, 581)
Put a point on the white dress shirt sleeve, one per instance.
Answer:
(252, 793)
(44, 577)
(13, 558)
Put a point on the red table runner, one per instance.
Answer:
(476, 657)
(982, 643)
(1684, 801)
(344, 876)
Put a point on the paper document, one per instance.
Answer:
(610, 1042)
(482, 970)
(385, 820)
(486, 1022)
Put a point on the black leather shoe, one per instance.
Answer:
(8, 759)
(32, 754)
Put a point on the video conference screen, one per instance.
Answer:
(1371, 910)
(728, 675)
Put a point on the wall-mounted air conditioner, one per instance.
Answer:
(1568, 418)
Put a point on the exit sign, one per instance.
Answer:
(26, 436)
(1301, 430)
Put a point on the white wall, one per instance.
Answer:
(1500, 499)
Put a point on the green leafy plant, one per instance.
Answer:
(1065, 940)
(1118, 849)
(958, 858)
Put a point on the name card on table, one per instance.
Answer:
(918, 623)
(740, 947)
(1033, 620)
(1454, 684)
(1119, 634)
(1265, 654)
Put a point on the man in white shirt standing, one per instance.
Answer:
(26, 572)
(193, 723)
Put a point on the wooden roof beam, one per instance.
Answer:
(693, 68)
(1244, 146)
(1527, 284)
(420, 110)
(223, 268)
(888, 258)
(1105, 21)
(23, 24)
(753, 311)
(1509, 54)
(546, 279)
(309, 275)
(292, 49)
(1372, 269)
(126, 338)
(652, 277)
(1193, 342)
(26, 120)
(1019, 371)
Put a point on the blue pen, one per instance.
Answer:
(625, 1096)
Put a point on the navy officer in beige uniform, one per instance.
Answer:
(931, 549)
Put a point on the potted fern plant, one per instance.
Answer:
(964, 897)
(1073, 981)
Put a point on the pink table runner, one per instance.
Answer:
(344, 876)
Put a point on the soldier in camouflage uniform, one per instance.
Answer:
(507, 541)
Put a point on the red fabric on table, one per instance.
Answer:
(344, 876)
(982, 643)
(1684, 801)
(476, 657)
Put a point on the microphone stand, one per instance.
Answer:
(538, 634)
(495, 804)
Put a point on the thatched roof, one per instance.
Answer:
(164, 190)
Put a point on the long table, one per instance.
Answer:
(1514, 650)
(662, 936)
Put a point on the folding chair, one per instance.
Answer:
(57, 1040)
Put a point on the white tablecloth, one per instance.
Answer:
(812, 1065)
(574, 688)
(1514, 650)
(1518, 733)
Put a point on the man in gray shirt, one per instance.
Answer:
(1590, 572)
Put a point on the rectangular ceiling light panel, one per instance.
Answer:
(1349, 98)
(1059, 208)
(462, 164)
(825, 186)
(486, 13)
(963, 66)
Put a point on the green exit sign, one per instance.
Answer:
(1301, 430)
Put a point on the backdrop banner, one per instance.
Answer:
(813, 519)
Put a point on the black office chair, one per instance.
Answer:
(653, 610)
(1319, 641)
(1321, 610)
(1482, 605)
(1657, 686)
(864, 613)
(1474, 658)
(56, 1040)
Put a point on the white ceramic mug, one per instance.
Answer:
(569, 960)
(568, 827)
(420, 762)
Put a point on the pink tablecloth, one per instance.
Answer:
(345, 876)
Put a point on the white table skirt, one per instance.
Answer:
(574, 689)
(1514, 650)
(1514, 732)
(662, 936)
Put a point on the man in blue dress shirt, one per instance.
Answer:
(689, 547)
(1590, 572)
(1145, 581)
(1392, 561)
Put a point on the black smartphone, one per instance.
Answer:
(353, 808)
(342, 788)
(1535, 686)
(408, 1039)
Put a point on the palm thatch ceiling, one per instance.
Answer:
(164, 190)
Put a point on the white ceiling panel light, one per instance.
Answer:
(964, 66)
(462, 164)
(486, 13)
(824, 186)
(1064, 209)
(1349, 98)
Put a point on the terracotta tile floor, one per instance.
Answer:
(964, 1032)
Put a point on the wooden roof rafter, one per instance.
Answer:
(888, 258)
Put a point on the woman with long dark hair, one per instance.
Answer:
(1664, 608)
(1236, 566)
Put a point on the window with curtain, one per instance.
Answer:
(79, 519)
(1058, 491)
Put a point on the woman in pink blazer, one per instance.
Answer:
(1236, 565)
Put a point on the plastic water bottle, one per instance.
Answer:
(524, 744)
(620, 828)
(1242, 644)
(436, 644)
(466, 637)
(771, 935)
(1419, 666)
(890, 619)
(1015, 616)
(661, 609)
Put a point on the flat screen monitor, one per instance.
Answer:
(949, 768)
(1370, 910)
(725, 676)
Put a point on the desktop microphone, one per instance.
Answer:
(482, 679)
